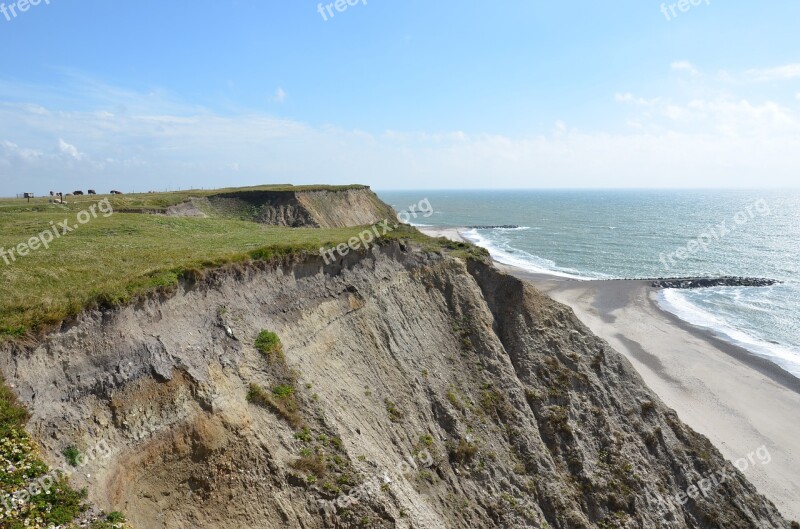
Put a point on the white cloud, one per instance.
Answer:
(780, 73)
(627, 97)
(10, 151)
(714, 140)
(280, 95)
(684, 66)
(723, 115)
(198, 151)
(69, 150)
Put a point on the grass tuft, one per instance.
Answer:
(268, 343)
(280, 400)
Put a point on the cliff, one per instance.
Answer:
(315, 207)
(440, 392)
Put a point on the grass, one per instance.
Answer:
(159, 202)
(463, 452)
(111, 521)
(112, 260)
(269, 344)
(71, 454)
(313, 464)
(395, 415)
(13, 415)
(281, 400)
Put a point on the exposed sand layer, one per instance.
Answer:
(739, 401)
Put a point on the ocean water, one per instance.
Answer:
(643, 234)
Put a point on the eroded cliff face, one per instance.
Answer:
(461, 396)
(312, 209)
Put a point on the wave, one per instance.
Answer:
(678, 303)
(506, 254)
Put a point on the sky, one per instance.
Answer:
(156, 95)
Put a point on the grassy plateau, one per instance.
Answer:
(112, 259)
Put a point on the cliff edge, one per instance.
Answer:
(312, 206)
(396, 387)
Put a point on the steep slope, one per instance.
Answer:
(318, 208)
(459, 396)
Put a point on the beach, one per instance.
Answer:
(737, 400)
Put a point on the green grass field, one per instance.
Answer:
(156, 201)
(111, 260)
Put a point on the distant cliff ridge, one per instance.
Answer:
(317, 208)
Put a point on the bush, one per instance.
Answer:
(112, 521)
(463, 452)
(395, 415)
(12, 414)
(283, 392)
(71, 454)
(280, 400)
(268, 343)
(313, 464)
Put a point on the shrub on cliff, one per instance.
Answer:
(269, 344)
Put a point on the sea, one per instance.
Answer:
(602, 234)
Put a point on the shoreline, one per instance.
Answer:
(738, 400)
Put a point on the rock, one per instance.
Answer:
(708, 282)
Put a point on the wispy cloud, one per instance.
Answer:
(280, 95)
(137, 141)
(779, 73)
(69, 150)
(710, 106)
(628, 97)
(684, 66)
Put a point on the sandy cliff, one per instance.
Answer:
(460, 396)
(321, 208)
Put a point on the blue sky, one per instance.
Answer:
(415, 94)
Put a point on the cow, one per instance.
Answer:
(114, 192)
(77, 193)
(92, 192)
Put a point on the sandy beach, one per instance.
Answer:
(739, 401)
(451, 233)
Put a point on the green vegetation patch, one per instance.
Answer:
(159, 202)
(113, 260)
(281, 400)
(71, 454)
(54, 503)
(268, 343)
